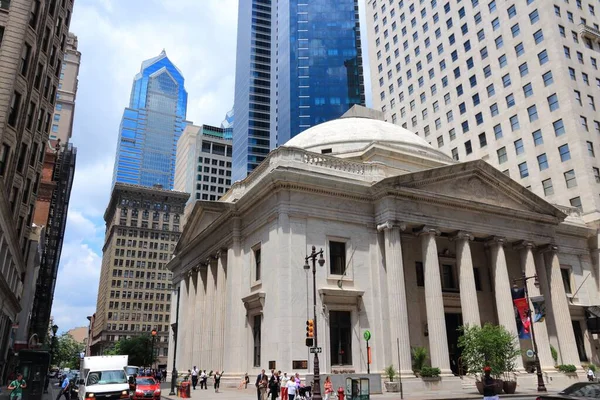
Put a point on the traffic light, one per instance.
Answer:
(310, 333)
(310, 328)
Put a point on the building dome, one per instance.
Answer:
(354, 134)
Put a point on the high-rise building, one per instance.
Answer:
(513, 83)
(203, 166)
(228, 121)
(298, 64)
(54, 193)
(134, 294)
(33, 38)
(151, 125)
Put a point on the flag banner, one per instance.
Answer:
(523, 321)
(539, 308)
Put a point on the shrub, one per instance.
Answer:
(592, 367)
(554, 354)
(390, 372)
(567, 368)
(419, 356)
(430, 372)
(489, 345)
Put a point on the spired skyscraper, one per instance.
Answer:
(151, 125)
(298, 64)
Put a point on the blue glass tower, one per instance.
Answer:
(152, 125)
(298, 64)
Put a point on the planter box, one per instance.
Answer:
(392, 387)
(431, 378)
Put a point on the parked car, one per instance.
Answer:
(577, 391)
(146, 388)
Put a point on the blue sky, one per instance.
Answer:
(115, 36)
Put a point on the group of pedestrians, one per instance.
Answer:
(288, 387)
(202, 377)
(158, 375)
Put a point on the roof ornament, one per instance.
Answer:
(163, 52)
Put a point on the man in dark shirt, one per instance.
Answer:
(489, 385)
(259, 378)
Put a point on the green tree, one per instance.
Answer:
(138, 348)
(66, 352)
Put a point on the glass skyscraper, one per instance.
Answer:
(151, 125)
(298, 64)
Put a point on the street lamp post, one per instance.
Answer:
(53, 343)
(152, 353)
(174, 327)
(541, 387)
(313, 257)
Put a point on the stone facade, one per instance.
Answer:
(415, 245)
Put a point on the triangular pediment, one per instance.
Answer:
(475, 183)
(203, 215)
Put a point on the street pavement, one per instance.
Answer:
(228, 393)
(53, 390)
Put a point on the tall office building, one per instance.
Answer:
(513, 83)
(298, 64)
(228, 121)
(151, 125)
(33, 37)
(134, 294)
(203, 166)
(62, 123)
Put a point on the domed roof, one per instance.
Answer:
(352, 134)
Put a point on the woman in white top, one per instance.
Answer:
(291, 388)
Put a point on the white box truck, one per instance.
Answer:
(104, 378)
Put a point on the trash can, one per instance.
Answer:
(185, 390)
(357, 389)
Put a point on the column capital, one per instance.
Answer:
(495, 240)
(524, 244)
(462, 235)
(549, 248)
(390, 225)
(426, 230)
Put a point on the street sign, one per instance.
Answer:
(314, 350)
(529, 353)
(367, 335)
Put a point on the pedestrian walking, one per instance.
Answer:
(259, 379)
(274, 386)
(291, 388)
(17, 387)
(328, 387)
(284, 381)
(590, 375)
(194, 377)
(217, 378)
(64, 389)
(203, 379)
(263, 387)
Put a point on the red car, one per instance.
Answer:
(146, 388)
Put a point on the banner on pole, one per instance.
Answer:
(539, 308)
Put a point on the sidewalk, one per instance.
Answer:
(250, 393)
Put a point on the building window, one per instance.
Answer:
(533, 114)
(482, 140)
(523, 171)
(548, 79)
(502, 156)
(519, 148)
(256, 333)
(553, 102)
(514, 123)
(337, 258)
(590, 148)
(565, 272)
(15, 105)
(570, 178)
(596, 172)
(455, 154)
(564, 152)
(547, 185)
(257, 262)
(419, 273)
(559, 127)
(468, 148)
(542, 161)
(537, 137)
(576, 202)
(448, 279)
(340, 334)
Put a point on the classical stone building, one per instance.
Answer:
(415, 245)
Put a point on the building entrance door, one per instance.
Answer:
(340, 334)
(453, 322)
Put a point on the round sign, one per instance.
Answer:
(529, 353)
(367, 335)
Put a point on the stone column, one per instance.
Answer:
(198, 321)
(541, 331)
(560, 309)
(466, 280)
(218, 331)
(398, 319)
(209, 314)
(502, 290)
(181, 326)
(434, 302)
(191, 320)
